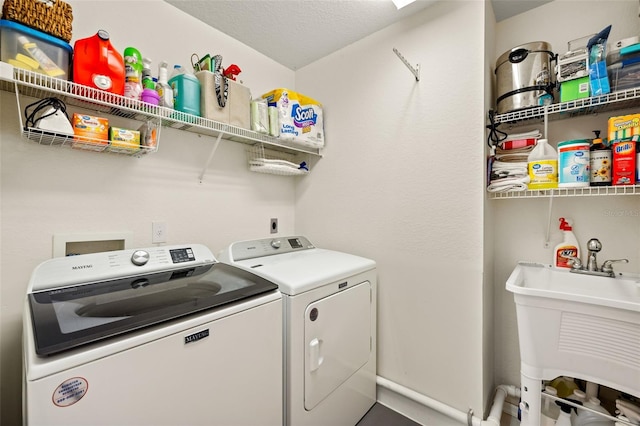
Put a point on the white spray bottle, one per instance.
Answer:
(163, 88)
(567, 248)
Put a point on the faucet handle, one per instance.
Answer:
(576, 263)
(606, 266)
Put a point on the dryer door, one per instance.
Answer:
(337, 341)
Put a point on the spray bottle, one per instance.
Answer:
(567, 248)
(162, 87)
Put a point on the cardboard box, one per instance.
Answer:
(124, 139)
(236, 111)
(33, 50)
(574, 89)
(624, 133)
(90, 132)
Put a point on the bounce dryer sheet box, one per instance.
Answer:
(90, 132)
(300, 117)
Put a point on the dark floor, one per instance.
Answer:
(379, 415)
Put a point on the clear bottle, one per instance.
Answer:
(601, 162)
(550, 411)
(147, 79)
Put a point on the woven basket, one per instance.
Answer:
(53, 17)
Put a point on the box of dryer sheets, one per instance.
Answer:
(300, 117)
(236, 109)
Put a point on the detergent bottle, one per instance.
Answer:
(97, 64)
(542, 165)
(186, 91)
(568, 247)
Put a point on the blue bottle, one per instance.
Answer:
(186, 91)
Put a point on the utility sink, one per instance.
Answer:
(577, 325)
(538, 280)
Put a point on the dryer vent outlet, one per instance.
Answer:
(273, 225)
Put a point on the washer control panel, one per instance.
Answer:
(91, 267)
(266, 247)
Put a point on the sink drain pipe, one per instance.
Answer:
(502, 391)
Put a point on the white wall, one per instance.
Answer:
(521, 225)
(402, 183)
(48, 190)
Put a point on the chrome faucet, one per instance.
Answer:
(594, 246)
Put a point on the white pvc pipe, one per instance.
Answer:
(495, 413)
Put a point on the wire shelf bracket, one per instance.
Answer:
(415, 71)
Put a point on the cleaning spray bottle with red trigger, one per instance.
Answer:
(567, 248)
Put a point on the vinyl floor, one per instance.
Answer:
(379, 415)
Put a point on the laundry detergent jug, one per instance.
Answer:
(97, 64)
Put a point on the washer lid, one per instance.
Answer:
(297, 272)
(64, 318)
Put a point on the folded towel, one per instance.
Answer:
(508, 184)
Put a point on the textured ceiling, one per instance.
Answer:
(296, 33)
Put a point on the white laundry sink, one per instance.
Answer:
(576, 325)
(538, 280)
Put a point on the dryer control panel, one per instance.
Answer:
(266, 247)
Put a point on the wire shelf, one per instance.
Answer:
(43, 137)
(569, 192)
(587, 106)
(263, 160)
(38, 85)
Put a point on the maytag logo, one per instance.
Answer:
(196, 336)
(81, 267)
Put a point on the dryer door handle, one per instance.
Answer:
(315, 359)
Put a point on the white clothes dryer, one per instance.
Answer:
(329, 301)
(158, 336)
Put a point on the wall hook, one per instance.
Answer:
(415, 71)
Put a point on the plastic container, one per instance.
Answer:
(163, 88)
(568, 247)
(26, 48)
(550, 411)
(564, 418)
(543, 166)
(564, 385)
(132, 73)
(587, 418)
(186, 91)
(600, 162)
(150, 96)
(147, 80)
(573, 163)
(97, 64)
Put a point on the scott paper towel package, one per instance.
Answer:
(300, 117)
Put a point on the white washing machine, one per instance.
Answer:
(329, 301)
(158, 336)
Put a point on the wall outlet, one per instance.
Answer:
(273, 226)
(158, 232)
